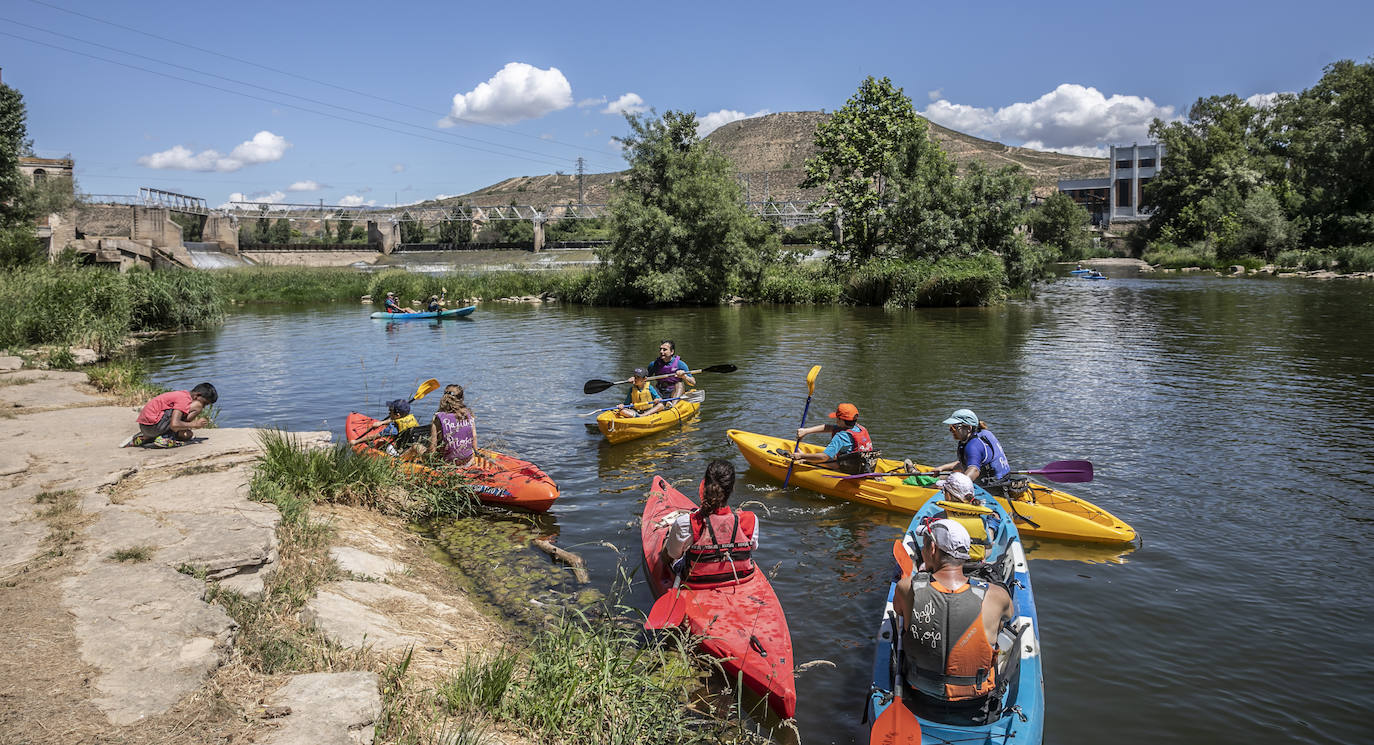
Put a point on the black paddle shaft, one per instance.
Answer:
(597, 386)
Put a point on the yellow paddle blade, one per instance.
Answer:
(811, 379)
(426, 388)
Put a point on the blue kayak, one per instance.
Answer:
(455, 313)
(1080, 271)
(1020, 718)
(1095, 276)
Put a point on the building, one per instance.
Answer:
(1117, 197)
(40, 169)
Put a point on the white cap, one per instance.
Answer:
(958, 486)
(950, 537)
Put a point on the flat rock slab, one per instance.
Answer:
(11, 363)
(352, 623)
(327, 709)
(364, 564)
(148, 631)
(47, 389)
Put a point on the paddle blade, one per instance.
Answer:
(667, 612)
(596, 386)
(903, 558)
(895, 726)
(811, 379)
(1065, 471)
(727, 368)
(426, 388)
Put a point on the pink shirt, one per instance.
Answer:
(154, 409)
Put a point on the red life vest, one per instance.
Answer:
(712, 561)
(862, 442)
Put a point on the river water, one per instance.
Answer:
(1229, 421)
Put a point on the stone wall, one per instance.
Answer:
(105, 219)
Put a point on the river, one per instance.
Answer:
(1229, 421)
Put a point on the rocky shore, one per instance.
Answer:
(116, 566)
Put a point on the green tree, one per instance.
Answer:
(1263, 228)
(280, 232)
(412, 230)
(1062, 223)
(343, 231)
(13, 132)
(679, 229)
(928, 202)
(455, 230)
(855, 152)
(996, 208)
(512, 231)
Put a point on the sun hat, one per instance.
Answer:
(963, 416)
(400, 406)
(847, 412)
(950, 537)
(390, 294)
(957, 485)
(639, 373)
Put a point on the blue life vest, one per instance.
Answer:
(995, 459)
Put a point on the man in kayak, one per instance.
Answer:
(716, 543)
(668, 363)
(398, 420)
(642, 398)
(434, 305)
(167, 419)
(850, 449)
(949, 624)
(979, 455)
(391, 306)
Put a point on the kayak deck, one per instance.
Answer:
(618, 429)
(740, 623)
(1050, 513)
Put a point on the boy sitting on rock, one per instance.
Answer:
(167, 420)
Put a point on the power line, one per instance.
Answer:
(298, 76)
(545, 159)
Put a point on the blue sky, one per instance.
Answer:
(447, 97)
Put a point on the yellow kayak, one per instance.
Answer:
(1056, 514)
(617, 429)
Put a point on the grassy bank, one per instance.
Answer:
(1343, 260)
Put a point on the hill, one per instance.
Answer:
(770, 153)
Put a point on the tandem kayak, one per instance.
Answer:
(741, 624)
(617, 429)
(1080, 271)
(454, 313)
(1019, 716)
(496, 478)
(1045, 513)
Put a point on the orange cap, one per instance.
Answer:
(847, 412)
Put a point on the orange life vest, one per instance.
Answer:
(947, 652)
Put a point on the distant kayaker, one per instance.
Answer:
(399, 420)
(391, 306)
(715, 543)
(434, 305)
(167, 419)
(950, 664)
(642, 398)
(453, 433)
(850, 449)
(668, 363)
(979, 455)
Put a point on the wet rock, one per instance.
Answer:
(364, 564)
(11, 363)
(327, 709)
(1237, 269)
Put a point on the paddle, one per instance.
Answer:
(597, 386)
(896, 725)
(810, 391)
(426, 388)
(667, 611)
(695, 397)
(1061, 471)
(903, 558)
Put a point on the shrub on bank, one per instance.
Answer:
(949, 281)
(801, 284)
(1171, 256)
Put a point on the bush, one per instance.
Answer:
(173, 299)
(800, 284)
(949, 281)
(19, 247)
(54, 304)
(1355, 258)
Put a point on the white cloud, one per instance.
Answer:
(1263, 100)
(630, 103)
(1087, 151)
(306, 185)
(353, 200)
(265, 147)
(716, 119)
(936, 94)
(257, 197)
(518, 91)
(398, 167)
(1071, 117)
(546, 136)
(589, 102)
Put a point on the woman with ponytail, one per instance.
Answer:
(454, 431)
(713, 545)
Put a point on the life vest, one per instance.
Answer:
(971, 517)
(404, 423)
(642, 399)
(996, 461)
(862, 458)
(659, 367)
(391, 305)
(456, 437)
(711, 561)
(947, 651)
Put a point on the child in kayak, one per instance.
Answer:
(714, 544)
(850, 449)
(642, 399)
(167, 419)
(398, 421)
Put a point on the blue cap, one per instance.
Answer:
(400, 406)
(963, 416)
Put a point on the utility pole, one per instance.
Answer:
(581, 173)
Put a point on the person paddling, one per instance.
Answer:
(714, 544)
(642, 398)
(454, 430)
(850, 449)
(167, 419)
(434, 305)
(390, 305)
(668, 363)
(979, 455)
(399, 421)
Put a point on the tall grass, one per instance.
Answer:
(950, 281)
(268, 284)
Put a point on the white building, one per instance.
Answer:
(1117, 197)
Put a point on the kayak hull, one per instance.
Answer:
(1049, 513)
(1026, 692)
(741, 624)
(454, 313)
(617, 429)
(496, 478)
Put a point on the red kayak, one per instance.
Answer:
(741, 623)
(496, 478)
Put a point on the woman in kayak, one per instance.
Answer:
(454, 431)
(715, 544)
(980, 455)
